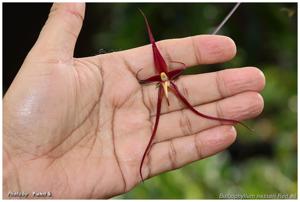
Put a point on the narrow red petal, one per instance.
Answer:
(175, 73)
(159, 61)
(158, 110)
(184, 100)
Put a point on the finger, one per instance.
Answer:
(60, 32)
(184, 122)
(201, 49)
(177, 152)
(209, 87)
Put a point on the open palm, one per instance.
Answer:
(79, 127)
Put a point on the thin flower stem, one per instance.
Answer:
(226, 18)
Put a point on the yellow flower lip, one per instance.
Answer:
(164, 77)
(166, 84)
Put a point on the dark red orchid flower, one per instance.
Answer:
(164, 80)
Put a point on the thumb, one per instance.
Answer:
(59, 34)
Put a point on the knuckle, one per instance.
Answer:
(219, 109)
(185, 124)
(245, 79)
(69, 17)
(198, 146)
(221, 84)
(196, 50)
(172, 154)
(250, 105)
(68, 9)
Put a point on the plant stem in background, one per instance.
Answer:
(226, 19)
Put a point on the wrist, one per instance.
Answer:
(10, 176)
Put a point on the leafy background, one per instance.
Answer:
(266, 37)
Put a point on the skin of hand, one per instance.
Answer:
(78, 127)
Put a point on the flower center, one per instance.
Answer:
(163, 76)
(165, 84)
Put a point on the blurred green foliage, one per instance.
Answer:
(266, 37)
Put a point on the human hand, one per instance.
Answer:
(78, 127)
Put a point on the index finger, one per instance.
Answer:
(194, 50)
